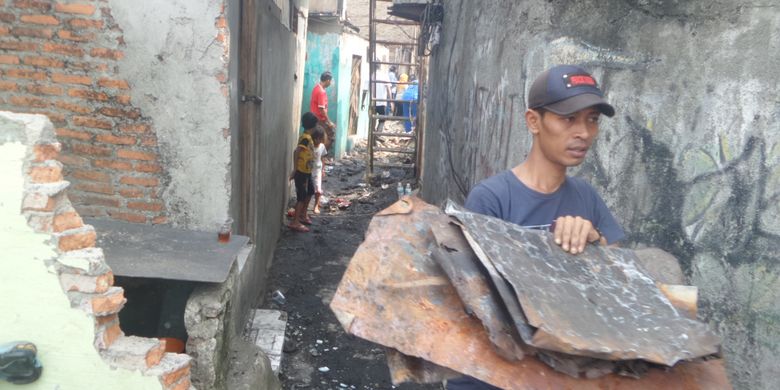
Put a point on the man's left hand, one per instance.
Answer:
(573, 233)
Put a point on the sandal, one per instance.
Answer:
(298, 228)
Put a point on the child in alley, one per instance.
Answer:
(303, 159)
(317, 173)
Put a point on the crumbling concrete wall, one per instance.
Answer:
(691, 161)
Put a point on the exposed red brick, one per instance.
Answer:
(145, 206)
(45, 173)
(68, 133)
(139, 181)
(91, 122)
(149, 141)
(221, 22)
(110, 302)
(113, 164)
(92, 200)
(71, 36)
(123, 99)
(8, 86)
(32, 32)
(106, 53)
(44, 62)
(161, 219)
(116, 140)
(66, 221)
(90, 150)
(70, 79)
(56, 119)
(155, 354)
(112, 83)
(129, 217)
(131, 193)
(87, 66)
(36, 4)
(25, 74)
(8, 59)
(72, 106)
(119, 113)
(109, 335)
(135, 155)
(148, 168)
(28, 101)
(175, 376)
(75, 8)
(40, 19)
(91, 175)
(85, 23)
(38, 202)
(87, 94)
(76, 241)
(72, 161)
(7, 17)
(135, 128)
(68, 50)
(98, 188)
(183, 384)
(19, 46)
(47, 151)
(4, 30)
(105, 320)
(44, 89)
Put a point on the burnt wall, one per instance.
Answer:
(691, 161)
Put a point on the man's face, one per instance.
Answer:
(565, 139)
(326, 83)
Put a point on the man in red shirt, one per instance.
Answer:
(319, 106)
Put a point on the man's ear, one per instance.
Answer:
(533, 120)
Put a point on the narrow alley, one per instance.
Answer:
(307, 268)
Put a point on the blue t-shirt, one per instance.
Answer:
(505, 196)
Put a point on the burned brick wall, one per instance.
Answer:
(690, 163)
(84, 66)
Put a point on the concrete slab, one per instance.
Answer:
(146, 251)
(267, 332)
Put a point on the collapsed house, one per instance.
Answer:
(460, 293)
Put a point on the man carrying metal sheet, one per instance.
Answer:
(564, 107)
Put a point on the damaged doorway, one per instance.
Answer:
(354, 95)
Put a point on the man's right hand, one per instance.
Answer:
(573, 233)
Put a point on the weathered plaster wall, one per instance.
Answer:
(351, 45)
(176, 60)
(691, 161)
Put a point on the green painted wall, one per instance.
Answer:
(34, 307)
(333, 51)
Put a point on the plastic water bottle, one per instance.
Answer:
(400, 190)
(408, 189)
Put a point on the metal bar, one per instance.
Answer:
(394, 63)
(393, 43)
(397, 22)
(392, 118)
(398, 135)
(371, 76)
(393, 100)
(392, 82)
(394, 150)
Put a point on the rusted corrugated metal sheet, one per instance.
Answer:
(395, 295)
(596, 304)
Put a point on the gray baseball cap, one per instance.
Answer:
(566, 89)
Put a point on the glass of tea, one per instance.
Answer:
(224, 231)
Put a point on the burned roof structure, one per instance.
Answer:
(464, 293)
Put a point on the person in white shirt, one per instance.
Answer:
(381, 93)
(317, 172)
